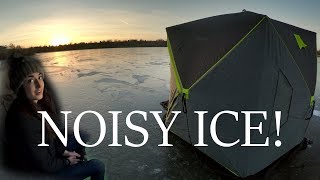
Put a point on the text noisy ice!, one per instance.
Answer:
(164, 129)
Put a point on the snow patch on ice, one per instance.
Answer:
(88, 74)
(111, 80)
(156, 171)
(55, 69)
(142, 167)
(140, 79)
(316, 113)
(84, 60)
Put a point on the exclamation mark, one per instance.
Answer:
(278, 117)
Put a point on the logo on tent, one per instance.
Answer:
(300, 42)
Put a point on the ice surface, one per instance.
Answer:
(123, 79)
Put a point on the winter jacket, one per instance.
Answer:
(23, 133)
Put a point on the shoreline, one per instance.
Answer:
(35, 50)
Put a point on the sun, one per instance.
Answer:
(59, 39)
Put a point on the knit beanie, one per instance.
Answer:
(20, 67)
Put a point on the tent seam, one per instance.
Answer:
(224, 56)
(290, 55)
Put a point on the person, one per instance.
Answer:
(23, 128)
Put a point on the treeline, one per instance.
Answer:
(101, 44)
(4, 51)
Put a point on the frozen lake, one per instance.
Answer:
(127, 79)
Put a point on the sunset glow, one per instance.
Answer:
(59, 40)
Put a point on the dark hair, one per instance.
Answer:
(47, 103)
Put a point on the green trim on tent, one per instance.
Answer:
(176, 73)
(300, 42)
(223, 57)
(311, 101)
(290, 55)
(186, 92)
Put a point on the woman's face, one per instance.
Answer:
(33, 86)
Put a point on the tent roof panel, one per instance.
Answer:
(198, 45)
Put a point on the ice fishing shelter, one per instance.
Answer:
(242, 62)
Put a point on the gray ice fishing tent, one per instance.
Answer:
(242, 61)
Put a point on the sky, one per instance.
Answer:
(53, 22)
